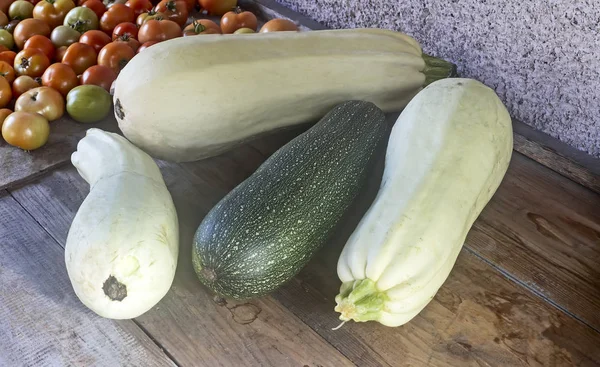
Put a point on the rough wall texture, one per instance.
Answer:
(541, 57)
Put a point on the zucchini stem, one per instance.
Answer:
(360, 301)
(436, 69)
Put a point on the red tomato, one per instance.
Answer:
(217, 7)
(52, 11)
(146, 45)
(115, 55)
(96, 5)
(175, 10)
(115, 15)
(31, 62)
(60, 53)
(43, 44)
(201, 26)
(95, 38)
(99, 75)
(139, 6)
(24, 83)
(234, 20)
(129, 41)
(60, 77)
(159, 30)
(28, 28)
(7, 72)
(79, 56)
(8, 56)
(125, 28)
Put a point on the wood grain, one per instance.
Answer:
(192, 326)
(544, 230)
(42, 322)
(19, 166)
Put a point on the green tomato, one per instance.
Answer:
(88, 103)
(64, 36)
(20, 10)
(82, 19)
(244, 30)
(6, 39)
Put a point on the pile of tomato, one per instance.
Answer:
(57, 56)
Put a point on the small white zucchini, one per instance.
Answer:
(122, 247)
(447, 154)
(194, 97)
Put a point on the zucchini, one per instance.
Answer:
(264, 231)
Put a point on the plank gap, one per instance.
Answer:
(157, 343)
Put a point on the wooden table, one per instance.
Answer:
(524, 291)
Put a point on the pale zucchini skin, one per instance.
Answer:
(264, 231)
(194, 97)
(447, 154)
(122, 246)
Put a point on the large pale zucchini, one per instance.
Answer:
(194, 97)
(122, 246)
(447, 155)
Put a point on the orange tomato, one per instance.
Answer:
(115, 15)
(79, 56)
(43, 44)
(95, 38)
(7, 72)
(158, 30)
(234, 20)
(26, 130)
(115, 55)
(24, 83)
(31, 62)
(99, 75)
(28, 28)
(8, 56)
(4, 112)
(217, 7)
(46, 101)
(5, 92)
(60, 77)
(201, 26)
(52, 12)
(278, 25)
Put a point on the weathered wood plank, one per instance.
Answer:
(18, 166)
(544, 230)
(193, 327)
(41, 320)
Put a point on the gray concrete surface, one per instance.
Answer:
(541, 57)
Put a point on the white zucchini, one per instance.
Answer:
(447, 154)
(194, 97)
(122, 247)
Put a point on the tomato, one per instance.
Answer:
(25, 130)
(33, 2)
(234, 20)
(144, 17)
(46, 101)
(28, 28)
(217, 7)
(190, 4)
(43, 44)
(88, 103)
(175, 10)
(20, 9)
(10, 27)
(95, 38)
(99, 75)
(129, 41)
(4, 112)
(97, 7)
(6, 39)
(115, 55)
(5, 92)
(278, 25)
(4, 5)
(60, 53)
(4, 48)
(79, 56)
(111, 3)
(201, 26)
(115, 15)
(63, 35)
(145, 46)
(82, 19)
(139, 6)
(52, 12)
(60, 77)
(159, 30)
(7, 72)
(22, 84)
(3, 18)
(125, 28)
(31, 62)
(8, 56)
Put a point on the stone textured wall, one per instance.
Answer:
(541, 57)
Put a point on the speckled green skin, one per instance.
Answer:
(264, 231)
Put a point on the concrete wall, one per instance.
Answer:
(542, 57)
